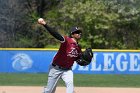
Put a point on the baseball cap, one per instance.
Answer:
(75, 29)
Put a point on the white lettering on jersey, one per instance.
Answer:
(73, 53)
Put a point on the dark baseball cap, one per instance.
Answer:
(75, 29)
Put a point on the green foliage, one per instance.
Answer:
(92, 16)
(106, 24)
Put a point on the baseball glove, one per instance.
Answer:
(85, 58)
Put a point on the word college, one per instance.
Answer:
(113, 62)
(36, 61)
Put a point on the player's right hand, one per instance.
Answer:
(41, 21)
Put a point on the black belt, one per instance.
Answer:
(63, 68)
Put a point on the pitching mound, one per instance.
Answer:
(33, 89)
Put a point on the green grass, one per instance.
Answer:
(83, 80)
(108, 80)
(22, 79)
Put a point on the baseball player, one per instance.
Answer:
(61, 66)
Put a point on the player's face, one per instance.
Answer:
(77, 35)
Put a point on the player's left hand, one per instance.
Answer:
(85, 58)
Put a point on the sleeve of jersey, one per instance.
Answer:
(55, 33)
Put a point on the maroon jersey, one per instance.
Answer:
(68, 52)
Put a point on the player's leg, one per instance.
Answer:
(53, 77)
(67, 76)
(46, 89)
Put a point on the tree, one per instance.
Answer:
(11, 21)
(18, 27)
(106, 23)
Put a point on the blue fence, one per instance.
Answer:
(38, 61)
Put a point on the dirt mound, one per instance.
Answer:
(36, 89)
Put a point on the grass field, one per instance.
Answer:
(80, 80)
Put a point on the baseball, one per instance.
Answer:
(40, 20)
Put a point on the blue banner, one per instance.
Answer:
(38, 61)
